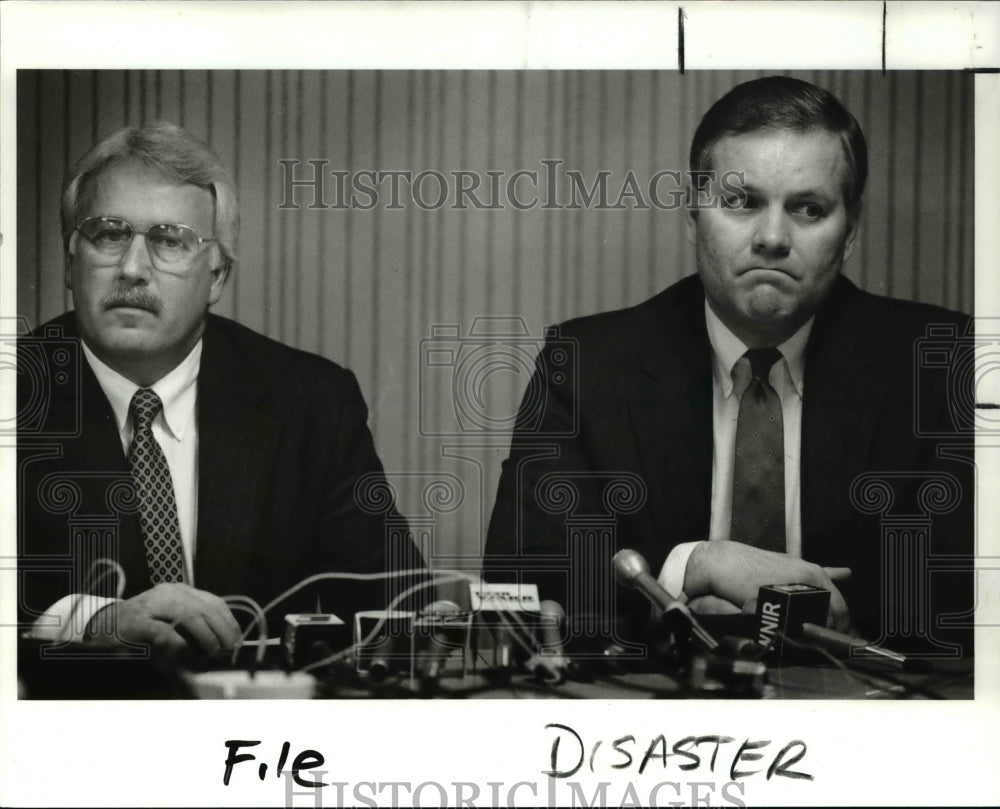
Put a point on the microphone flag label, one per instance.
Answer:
(783, 608)
(496, 597)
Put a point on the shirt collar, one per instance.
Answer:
(177, 390)
(727, 348)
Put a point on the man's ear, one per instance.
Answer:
(691, 215)
(853, 228)
(220, 275)
(68, 268)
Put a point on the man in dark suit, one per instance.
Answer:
(204, 459)
(644, 446)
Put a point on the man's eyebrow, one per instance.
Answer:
(802, 193)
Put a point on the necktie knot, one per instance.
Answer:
(761, 360)
(144, 407)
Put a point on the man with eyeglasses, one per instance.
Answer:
(183, 458)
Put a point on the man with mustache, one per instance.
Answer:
(207, 460)
(745, 405)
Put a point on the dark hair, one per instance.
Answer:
(780, 102)
(175, 153)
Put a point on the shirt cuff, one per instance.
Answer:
(66, 620)
(672, 573)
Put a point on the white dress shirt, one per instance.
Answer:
(786, 377)
(175, 429)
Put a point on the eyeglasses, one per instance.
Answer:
(170, 247)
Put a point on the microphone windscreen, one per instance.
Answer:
(552, 610)
(442, 608)
(628, 566)
(439, 628)
(550, 663)
(551, 616)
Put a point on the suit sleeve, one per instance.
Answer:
(942, 613)
(360, 528)
(913, 586)
(946, 408)
(526, 539)
(550, 524)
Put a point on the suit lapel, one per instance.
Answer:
(101, 449)
(236, 440)
(670, 407)
(671, 411)
(844, 393)
(90, 455)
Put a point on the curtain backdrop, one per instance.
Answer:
(394, 292)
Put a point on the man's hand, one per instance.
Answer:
(170, 618)
(722, 576)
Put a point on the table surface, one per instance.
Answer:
(69, 675)
(780, 682)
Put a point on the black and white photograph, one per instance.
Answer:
(609, 381)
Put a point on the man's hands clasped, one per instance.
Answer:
(171, 618)
(722, 576)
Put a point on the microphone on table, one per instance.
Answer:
(708, 668)
(311, 637)
(506, 608)
(550, 663)
(632, 570)
(782, 609)
(436, 617)
(382, 644)
(798, 612)
(846, 646)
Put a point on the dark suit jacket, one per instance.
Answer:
(630, 431)
(283, 442)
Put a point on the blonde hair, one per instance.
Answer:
(176, 154)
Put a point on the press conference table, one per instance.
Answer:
(780, 682)
(788, 682)
(74, 674)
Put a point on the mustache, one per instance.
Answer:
(134, 298)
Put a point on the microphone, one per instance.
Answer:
(843, 645)
(504, 606)
(632, 570)
(382, 644)
(311, 637)
(380, 669)
(434, 619)
(798, 611)
(550, 662)
(552, 616)
(782, 609)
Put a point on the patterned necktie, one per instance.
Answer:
(759, 474)
(161, 531)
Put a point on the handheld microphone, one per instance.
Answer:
(782, 609)
(434, 620)
(798, 611)
(382, 641)
(632, 570)
(550, 662)
(845, 646)
(492, 602)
